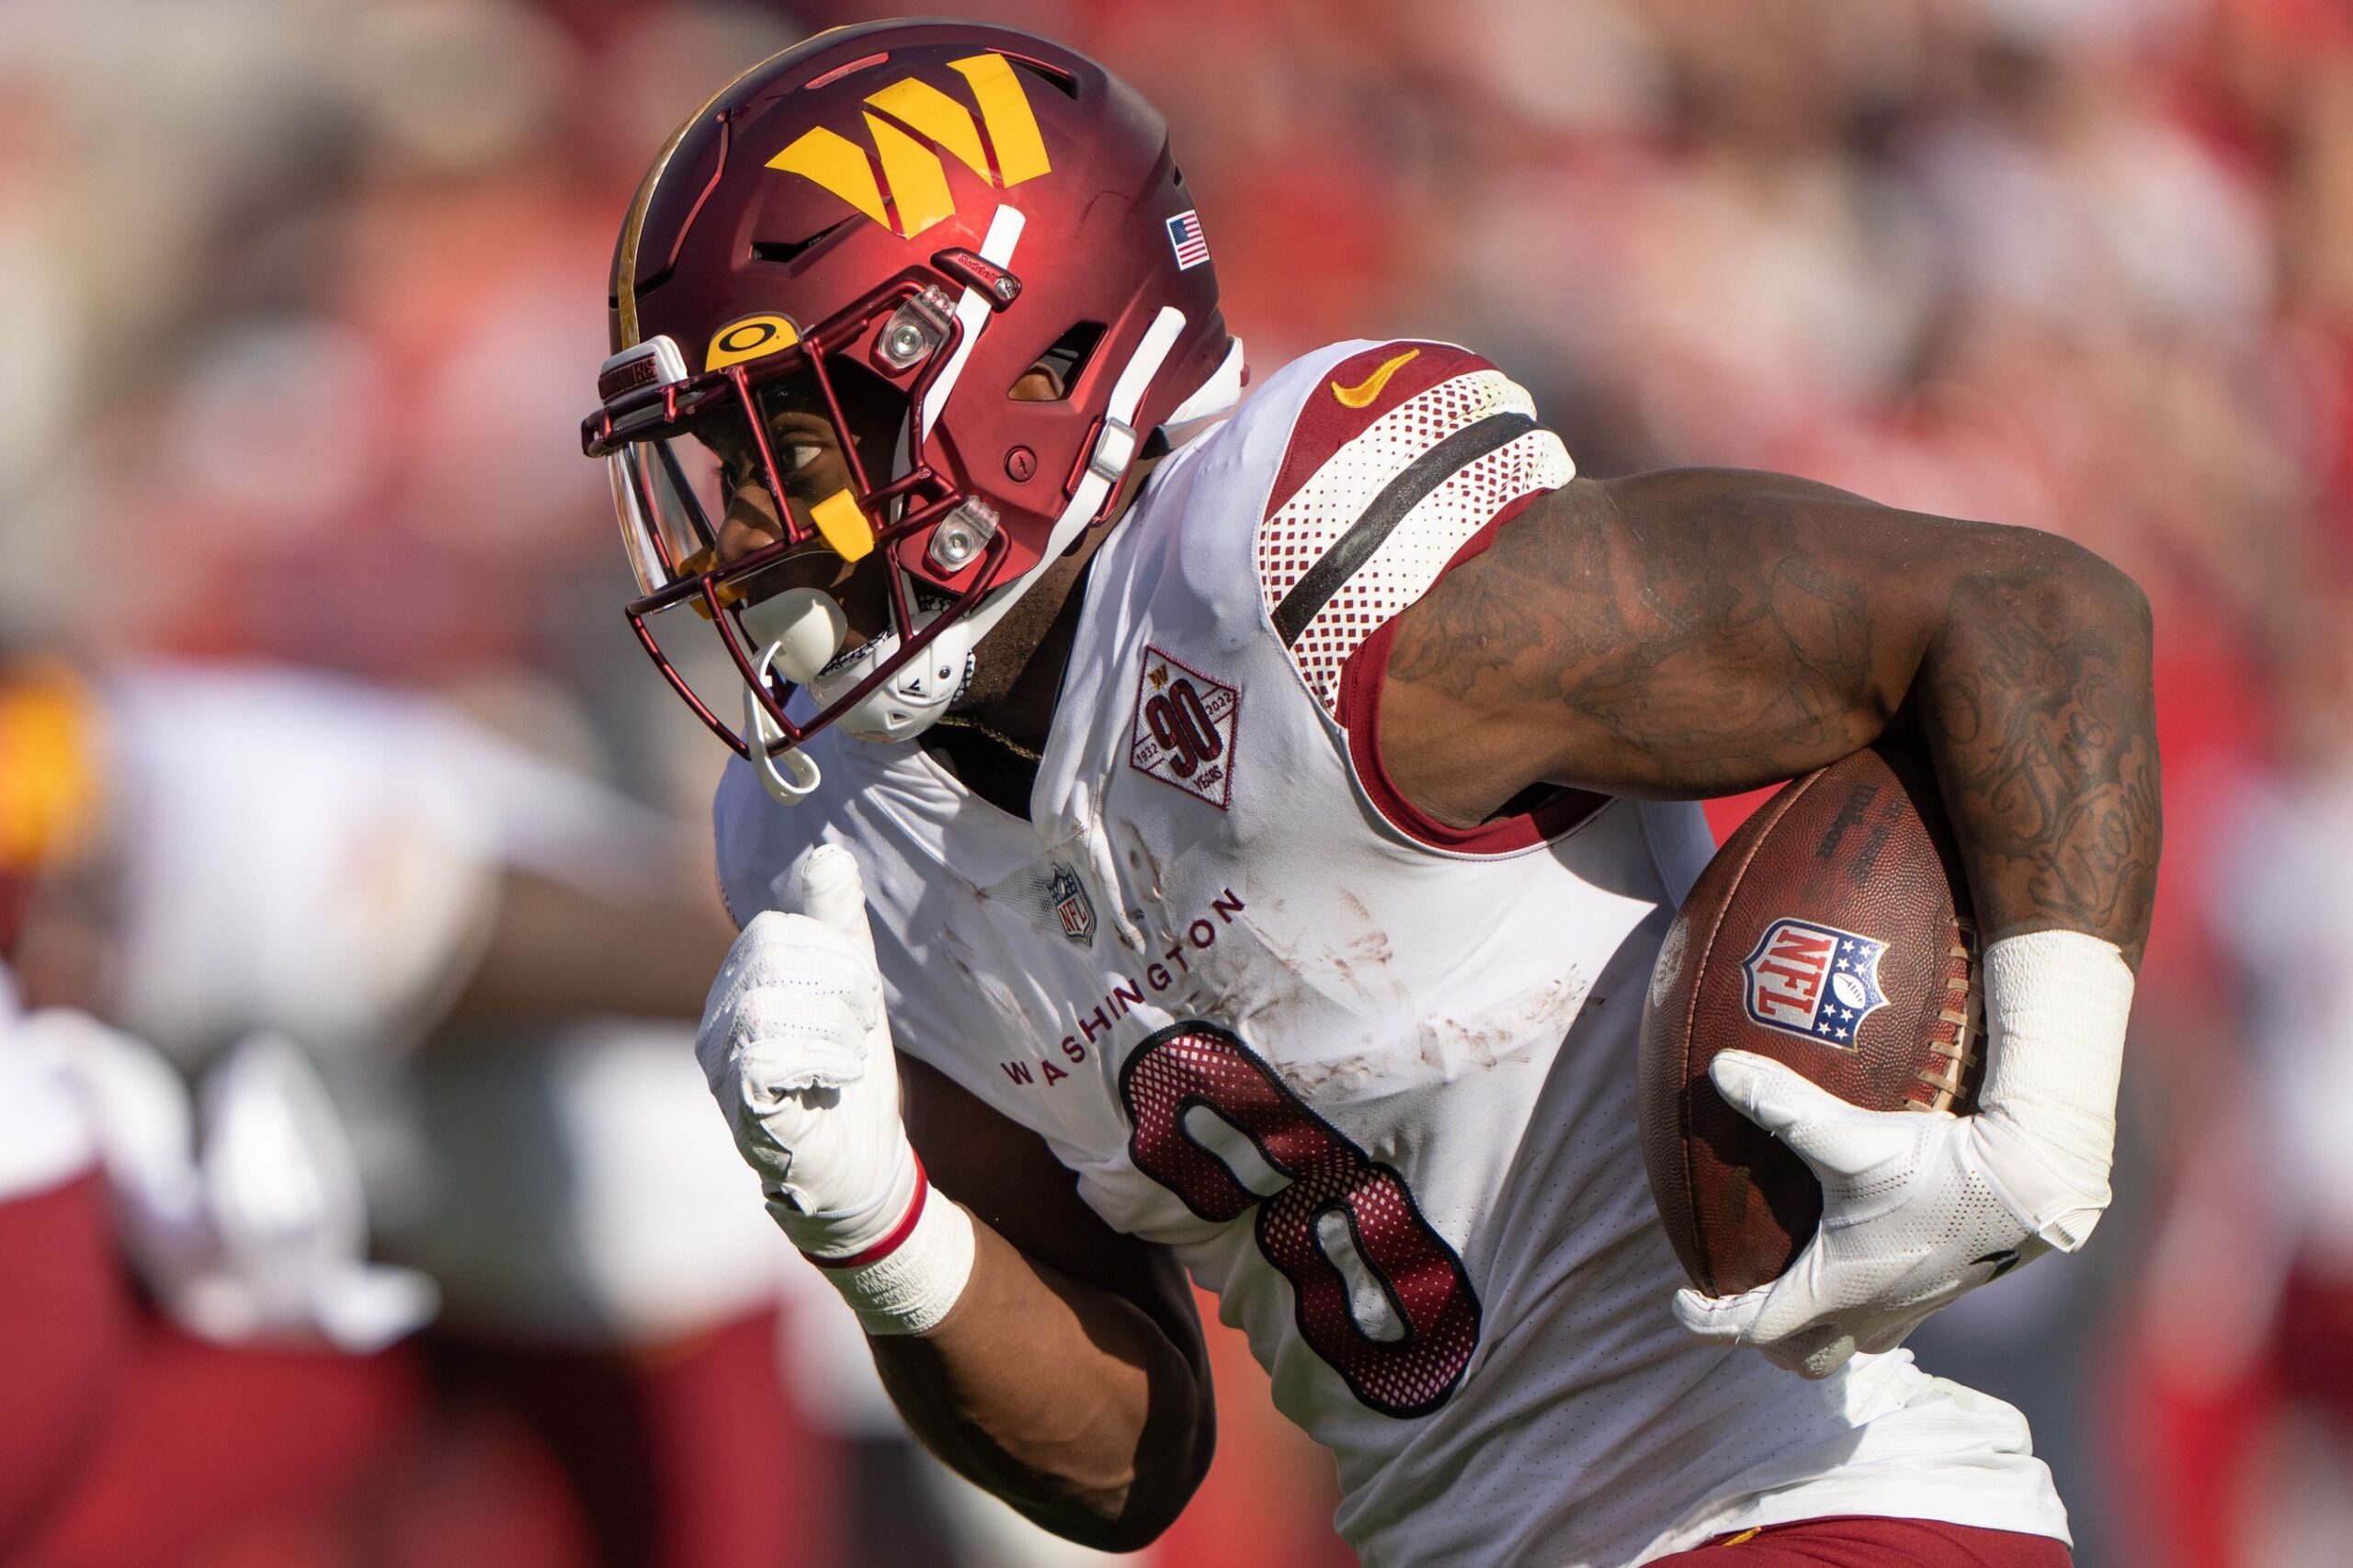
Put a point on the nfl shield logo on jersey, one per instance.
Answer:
(1072, 906)
(1814, 981)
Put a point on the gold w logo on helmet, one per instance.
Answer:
(910, 192)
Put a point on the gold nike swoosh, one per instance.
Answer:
(1361, 395)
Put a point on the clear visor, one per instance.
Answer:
(666, 507)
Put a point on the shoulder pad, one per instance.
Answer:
(1401, 459)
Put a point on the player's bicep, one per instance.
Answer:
(1685, 634)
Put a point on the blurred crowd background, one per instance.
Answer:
(304, 302)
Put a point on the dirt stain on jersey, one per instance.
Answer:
(1361, 957)
(1253, 982)
(1344, 1077)
(969, 968)
(1454, 1047)
(1140, 856)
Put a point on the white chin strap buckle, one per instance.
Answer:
(1115, 450)
(904, 706)
(790, 776)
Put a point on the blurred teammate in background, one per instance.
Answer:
(251, 1234)
(2247, 1319)
(476, 950)
(64, 1313)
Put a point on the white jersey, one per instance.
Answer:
(1372, 1080)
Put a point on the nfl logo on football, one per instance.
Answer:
(1814, 981)
(1072, 906)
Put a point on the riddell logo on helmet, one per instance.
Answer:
(911, 195)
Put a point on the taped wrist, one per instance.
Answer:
(907, 1281)
(2056, 1002)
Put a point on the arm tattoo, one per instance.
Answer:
(1704, 653)
(2038, 713)
(1707, 631)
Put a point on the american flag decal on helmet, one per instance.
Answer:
(1185, 237)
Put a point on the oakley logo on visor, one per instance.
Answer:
(749, 338)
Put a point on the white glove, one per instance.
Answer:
(262, 1235)
(1909, 1221)
(796, 1050)
(1920, 1208)
(290, 1216)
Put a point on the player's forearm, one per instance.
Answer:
(1059, 1396)
(2036, 703)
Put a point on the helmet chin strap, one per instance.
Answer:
(904, 706)
(790, 776)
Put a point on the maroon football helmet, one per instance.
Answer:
(928, 209)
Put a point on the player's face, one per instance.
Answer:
(811, 465)
(811, 462)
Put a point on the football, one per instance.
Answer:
(1831, 933)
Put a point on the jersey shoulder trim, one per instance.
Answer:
(1355, 393)
(1401, 454)
(1404, 459)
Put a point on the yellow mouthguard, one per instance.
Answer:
(843, 525)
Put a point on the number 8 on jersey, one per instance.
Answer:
(1195, 1063)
